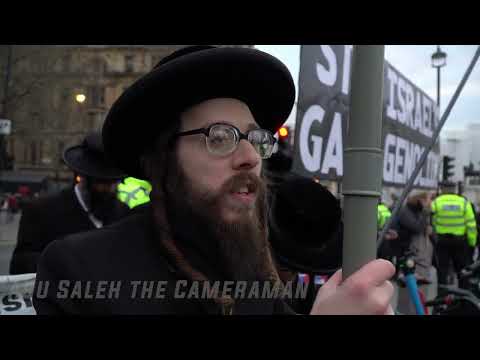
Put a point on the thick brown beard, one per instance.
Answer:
(237, 250)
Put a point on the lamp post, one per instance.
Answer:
(439, 60)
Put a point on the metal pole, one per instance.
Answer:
(423, 158)
(8, 69)
(363, 156)
(438, 88)
(412, 287)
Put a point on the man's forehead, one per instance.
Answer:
(224, 110)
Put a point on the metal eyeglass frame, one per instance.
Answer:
(240, 135)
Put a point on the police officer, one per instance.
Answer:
(383, 214)
(456, 230)
(473, 254)
(134, 192)
(386, 249)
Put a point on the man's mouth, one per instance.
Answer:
(245, 194)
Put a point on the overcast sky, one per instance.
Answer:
(414, 61)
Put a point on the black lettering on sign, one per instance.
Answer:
(28, 299)
(409, 119)
(400, 159)
(11, 302)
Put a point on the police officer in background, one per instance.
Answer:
(473, 253)
(386, 249)
(456, 230)
(383, 214)
(134, 192)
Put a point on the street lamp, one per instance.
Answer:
(80, 98)
(439, 60)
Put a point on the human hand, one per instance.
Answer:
(366, 292)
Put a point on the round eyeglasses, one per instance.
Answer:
(223, 139)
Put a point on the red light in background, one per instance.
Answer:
(283, 132)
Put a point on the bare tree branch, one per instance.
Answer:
(26, 56)
(17, 96)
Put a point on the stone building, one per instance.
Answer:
(46, 83)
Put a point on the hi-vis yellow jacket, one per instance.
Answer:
(453, 214)
(134, 192)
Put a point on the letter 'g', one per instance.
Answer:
(311, 161)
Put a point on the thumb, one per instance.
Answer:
(390, 311)
(331, 285)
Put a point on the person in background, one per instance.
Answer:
(455, 228)
(134, 192)
(473, 250)
(414, 230)
(383, 216)
(12, 207)
(90, 203)
(413, 227)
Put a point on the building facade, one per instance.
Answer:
(46, 84)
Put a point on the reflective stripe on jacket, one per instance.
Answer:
(383, 214)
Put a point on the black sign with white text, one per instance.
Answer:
(409, 119)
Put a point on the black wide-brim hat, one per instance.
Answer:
(89, 159)
(306, 229)
(188, 77)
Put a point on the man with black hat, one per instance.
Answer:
(89, 204)
(306, 232)
(208, 117)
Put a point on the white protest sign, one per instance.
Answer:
(5, 127)
(16, 294)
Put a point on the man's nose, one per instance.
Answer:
(245, 156)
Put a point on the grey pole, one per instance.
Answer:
(438, 88)
(8, 69)
(363, 158)
(435, 136)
